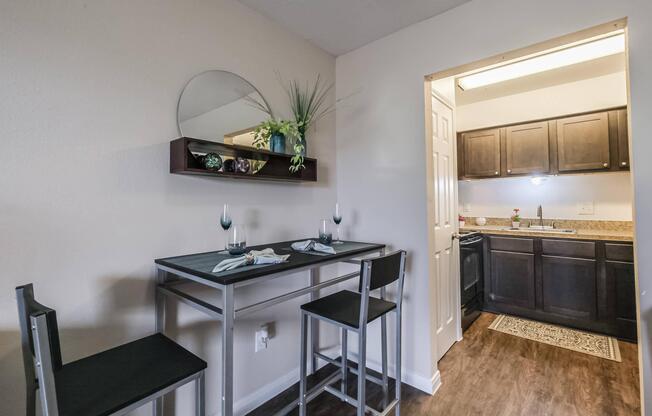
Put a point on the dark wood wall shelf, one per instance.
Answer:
(184, 153)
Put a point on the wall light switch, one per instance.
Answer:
(585, 208)
(262, 338)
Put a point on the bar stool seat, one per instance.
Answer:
(113, 382)
(344, 307)
(353, 311)
(114, 379)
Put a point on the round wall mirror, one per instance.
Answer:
(221, 106)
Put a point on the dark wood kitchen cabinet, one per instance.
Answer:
(527, 149)
(583, 142)
(511, 271)
(569, 287)
(588, 142)
(621, 287)
(623, 140)
(512, 278)
(481, 153)
(588, 285)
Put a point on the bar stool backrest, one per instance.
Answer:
(378, 272)
(41, 348)
(384, 270)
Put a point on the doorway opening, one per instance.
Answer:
(530, 194)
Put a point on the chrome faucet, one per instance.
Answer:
(540, 215)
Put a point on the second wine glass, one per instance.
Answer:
(225, 220)
(337, 219)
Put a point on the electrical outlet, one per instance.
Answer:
(586, 208)
(262, 338)
(467, 207)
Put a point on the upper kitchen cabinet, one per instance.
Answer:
(481, 154)
(623, 139)
(589, 142)
(583, 142)
(527, 149)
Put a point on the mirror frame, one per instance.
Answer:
(218, 70)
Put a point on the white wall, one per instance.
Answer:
(591, 94)
(560, 196)
(89, 93)
(380, 136)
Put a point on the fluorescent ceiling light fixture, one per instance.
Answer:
(580, 53)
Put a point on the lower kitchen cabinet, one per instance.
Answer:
(587, 285)
(624, 295)
(569, 287)
(512, 279)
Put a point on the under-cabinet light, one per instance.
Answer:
(538, 180)
(606, 46)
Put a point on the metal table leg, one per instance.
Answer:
(314, 323)
(161, 276)
(227, 350)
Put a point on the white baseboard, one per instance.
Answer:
(426, 385)
(256, 398)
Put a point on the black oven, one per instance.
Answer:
(471, 277)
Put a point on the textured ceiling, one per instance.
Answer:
(340, 26)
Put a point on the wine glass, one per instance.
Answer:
(237, 242)
(337, 219)
(325, 233)
(225, 220)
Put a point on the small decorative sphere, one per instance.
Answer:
(213, 161)
(229, 165)
(242, 165)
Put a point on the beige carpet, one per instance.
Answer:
(593, 344)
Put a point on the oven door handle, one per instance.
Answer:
(470, 242)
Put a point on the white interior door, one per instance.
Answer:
(444, 249)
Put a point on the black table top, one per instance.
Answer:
(202, 264)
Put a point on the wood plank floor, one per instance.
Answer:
(491, 373)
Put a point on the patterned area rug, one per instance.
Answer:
(598, 345)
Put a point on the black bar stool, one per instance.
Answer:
(352, 311)
(113, 382)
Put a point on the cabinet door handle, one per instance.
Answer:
(496, 172)
(623, 163)
(509, 171)
(605, 164)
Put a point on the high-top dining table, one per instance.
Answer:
(172, 272)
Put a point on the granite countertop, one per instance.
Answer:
(582, 234)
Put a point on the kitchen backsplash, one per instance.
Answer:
(561, 223)
(603, 196)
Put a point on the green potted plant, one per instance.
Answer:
(274, 132)
(516, 218)
(308, 105)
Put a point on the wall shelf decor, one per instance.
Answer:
(186, 158)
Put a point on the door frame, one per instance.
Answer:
(532, 50)
(429, 93)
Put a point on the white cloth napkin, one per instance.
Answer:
(266, 256)
(312, 245)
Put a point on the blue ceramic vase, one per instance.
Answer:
(277, 143)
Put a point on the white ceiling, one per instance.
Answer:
(340, 26)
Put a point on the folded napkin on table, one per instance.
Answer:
(266, 256)
(312, 245)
